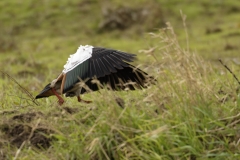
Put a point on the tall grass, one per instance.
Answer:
(188, 114)
(181, 117)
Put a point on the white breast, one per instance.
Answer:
(83, 53)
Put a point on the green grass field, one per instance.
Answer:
(192, 112)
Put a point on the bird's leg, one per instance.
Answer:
(60, 99)
(81, 100)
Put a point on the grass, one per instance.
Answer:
(191, 113)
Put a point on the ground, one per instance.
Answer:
(192, 112)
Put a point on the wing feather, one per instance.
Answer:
(104, 67)
(91, 69)
(113, 63)
(95, 69)
(127, 78)
(99, 68)
(106, 61)
(74, 76)
(109, 66)
(124, 56)
(118, 61)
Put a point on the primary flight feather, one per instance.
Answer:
(91, 68)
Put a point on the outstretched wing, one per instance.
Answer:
(128, 78)
(106, 61)
(101, 63)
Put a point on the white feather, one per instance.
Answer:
(83, 53)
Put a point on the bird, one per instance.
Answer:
(93, 68)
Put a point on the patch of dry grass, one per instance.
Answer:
(192, 112)
(182, 116)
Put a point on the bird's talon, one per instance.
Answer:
(81, 100)
(87, 101)
(60, 102)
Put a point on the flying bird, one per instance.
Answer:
(92, 68)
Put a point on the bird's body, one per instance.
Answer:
(91, 68)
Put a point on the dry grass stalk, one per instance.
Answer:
(234, 75)
(24, 90)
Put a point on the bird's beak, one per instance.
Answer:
(46, 92)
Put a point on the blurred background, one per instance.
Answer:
(36, 37)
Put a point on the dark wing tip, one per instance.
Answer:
(46, 92)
